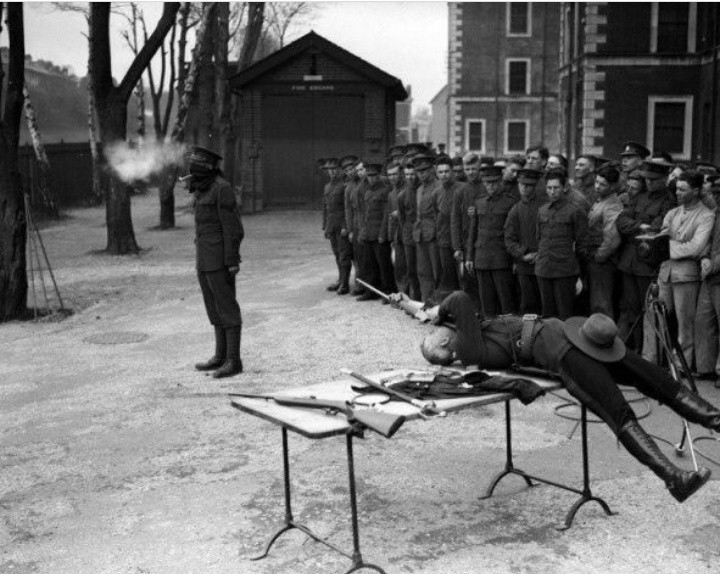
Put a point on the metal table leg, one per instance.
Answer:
(289, 523)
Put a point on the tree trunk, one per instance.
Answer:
(111, 107)
(207, 135)
(97, 180)
(13, 225)
(186, 87)
(225, 132)
(49, 202)
(112, 120)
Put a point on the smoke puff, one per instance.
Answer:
(141, 161)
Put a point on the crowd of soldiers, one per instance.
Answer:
(519, 236)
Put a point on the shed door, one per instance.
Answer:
(296, 131)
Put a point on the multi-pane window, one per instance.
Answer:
(670, 124)
(516, 136)
(672, 30)
(518, 18)
(518, 76)
(475, 135)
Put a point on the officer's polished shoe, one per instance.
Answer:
(681, 483)
(687, 482)
(333, 286)
(232, 365)
(366, 297)
(218, 358)
(343, 290)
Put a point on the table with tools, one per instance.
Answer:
(336, 408)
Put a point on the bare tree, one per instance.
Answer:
(186, 88)
(111, 106)
(253, 32)
(130, 34)
(13, 222)
(282, 16)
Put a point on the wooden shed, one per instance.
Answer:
(308, 100)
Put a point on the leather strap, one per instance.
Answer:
(526, 336)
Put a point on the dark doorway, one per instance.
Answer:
(296, 131)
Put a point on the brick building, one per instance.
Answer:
(503, 76)
(646, 72)
(439, 122)
(308, 100)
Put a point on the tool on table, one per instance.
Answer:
(427, 409)
(382, 423)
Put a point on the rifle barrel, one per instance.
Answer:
(373, 289)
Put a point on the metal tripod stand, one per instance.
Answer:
(35, 247)
(680, 371)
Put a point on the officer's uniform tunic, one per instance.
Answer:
(218, 233)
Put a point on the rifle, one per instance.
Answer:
(427, 408)
(412, 308)
(382, 423)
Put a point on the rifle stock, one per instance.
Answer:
(384, 424)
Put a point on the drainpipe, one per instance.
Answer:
(544, 64)
(713, 113)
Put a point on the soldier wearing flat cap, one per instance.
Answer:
(374, 229)
(631, 158)
(394, 171)
(488, 255)
(349, 164)
(424, 231)
(644, 214)
(407, 213)
(334, 223)
(447, 192)
(520, 234)
(218, 233)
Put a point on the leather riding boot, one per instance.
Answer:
(220, 352)
(233, 364)
(693, 408)
(333, 286)
(344, 288)
(680, 483)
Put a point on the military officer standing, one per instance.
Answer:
(334, 223)
(374, 227)
(562, 241)
(447, 191)
(520, 234)
(428, 264)
(631, 159)
(218, 233)
(395, 177)
(407, 211)
(490, 259)
(349, 164)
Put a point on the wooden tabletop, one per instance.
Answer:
(317, 424)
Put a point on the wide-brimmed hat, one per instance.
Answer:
(595, 336)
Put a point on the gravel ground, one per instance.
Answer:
(118, 457)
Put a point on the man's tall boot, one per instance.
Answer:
(218, 358)
(693, 408)
(232, 365)
(680, 483)
(344, 288)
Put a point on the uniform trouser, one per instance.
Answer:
(448, 280)
(401, 268)
(681, 301)
(381, 259)
(342, 248)
(601, 284)
(412, 272)
(366, 269)
(632, 306)
(557, 296)
(428, 268)
(529, 294)
(497, 291)
(594, 384)
(218, 291)
(707, 318)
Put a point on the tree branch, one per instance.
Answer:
(142, 60)
(16, 71)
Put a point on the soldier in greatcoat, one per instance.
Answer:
(218, 233)
(334, 223)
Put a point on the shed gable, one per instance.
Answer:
(312, 62)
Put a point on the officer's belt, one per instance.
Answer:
(530, 328)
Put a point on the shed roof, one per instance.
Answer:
(314, 40)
